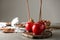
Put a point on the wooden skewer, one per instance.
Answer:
(28, 9)
(40, 13)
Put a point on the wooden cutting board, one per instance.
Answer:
(44, 35)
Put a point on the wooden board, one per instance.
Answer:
(46, 34)
(8, 30)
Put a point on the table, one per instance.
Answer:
(18, 36)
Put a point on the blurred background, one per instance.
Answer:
(10, 9)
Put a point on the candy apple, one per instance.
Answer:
(42, 28)
(38, 28)
(28, 25)
(45, 22)
(41, 22)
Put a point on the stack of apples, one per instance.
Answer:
(36, 27)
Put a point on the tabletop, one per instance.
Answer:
(19, 36)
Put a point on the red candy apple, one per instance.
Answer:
(41, 22)
(45, 22)
(28, 25)
(38, 28)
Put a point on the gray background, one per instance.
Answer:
(10, 9)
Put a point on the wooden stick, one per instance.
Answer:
(40, 13)
(28, 9)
